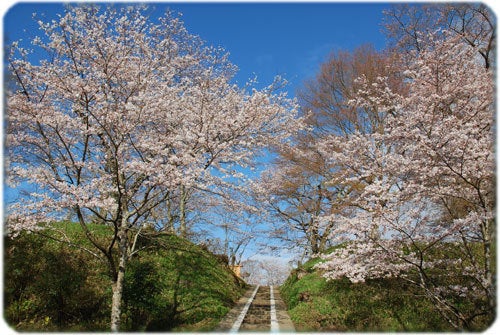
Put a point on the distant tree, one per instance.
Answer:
(177, 214)
(298, 190)
(229, 229)
(324, 99)
(113, 114)
(295, 195)
(265, 272)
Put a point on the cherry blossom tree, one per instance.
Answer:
(267, 271)
(228, 222)
(409, 26)
(423, 208)
(293, 195)
(112, 114)
(297, 191)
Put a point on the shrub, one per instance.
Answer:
(171, 285)
(339, 305)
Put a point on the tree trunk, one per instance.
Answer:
(488, 273)
(116, 302)
(170, 217)
(182, 214)
(118, 282)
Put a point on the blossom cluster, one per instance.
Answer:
(122, 110)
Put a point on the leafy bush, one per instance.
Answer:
(49, 286)
(171, 285)
(178, 286)
(339, 305)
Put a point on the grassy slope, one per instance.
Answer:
(378, 305)
(194, 288)
(172, 285)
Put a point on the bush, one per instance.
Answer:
(50, 286)
(178, 286)
(171, 285)
(339, 305)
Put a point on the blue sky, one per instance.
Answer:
(263, 39)
(289, 39)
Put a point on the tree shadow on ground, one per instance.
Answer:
(178, 286)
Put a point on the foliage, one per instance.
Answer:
(315, 304)
(174, 285)
(398, 163)
(49, 286)
(114, 114)
(270, 271)
(125, 118)
(297, 188)
(425, 177)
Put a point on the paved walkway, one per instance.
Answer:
(284, 324)
(284, 321)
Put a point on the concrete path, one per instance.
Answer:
(260, 309)
(284, 321)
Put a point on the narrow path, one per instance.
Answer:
(259, 310)
(241, 317)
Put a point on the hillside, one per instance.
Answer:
(171, 285)
(339, 305)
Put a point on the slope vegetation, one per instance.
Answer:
(171, 285)
(377, 305)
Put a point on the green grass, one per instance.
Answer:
(377, 305)
(173, 285)
(390, 304)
